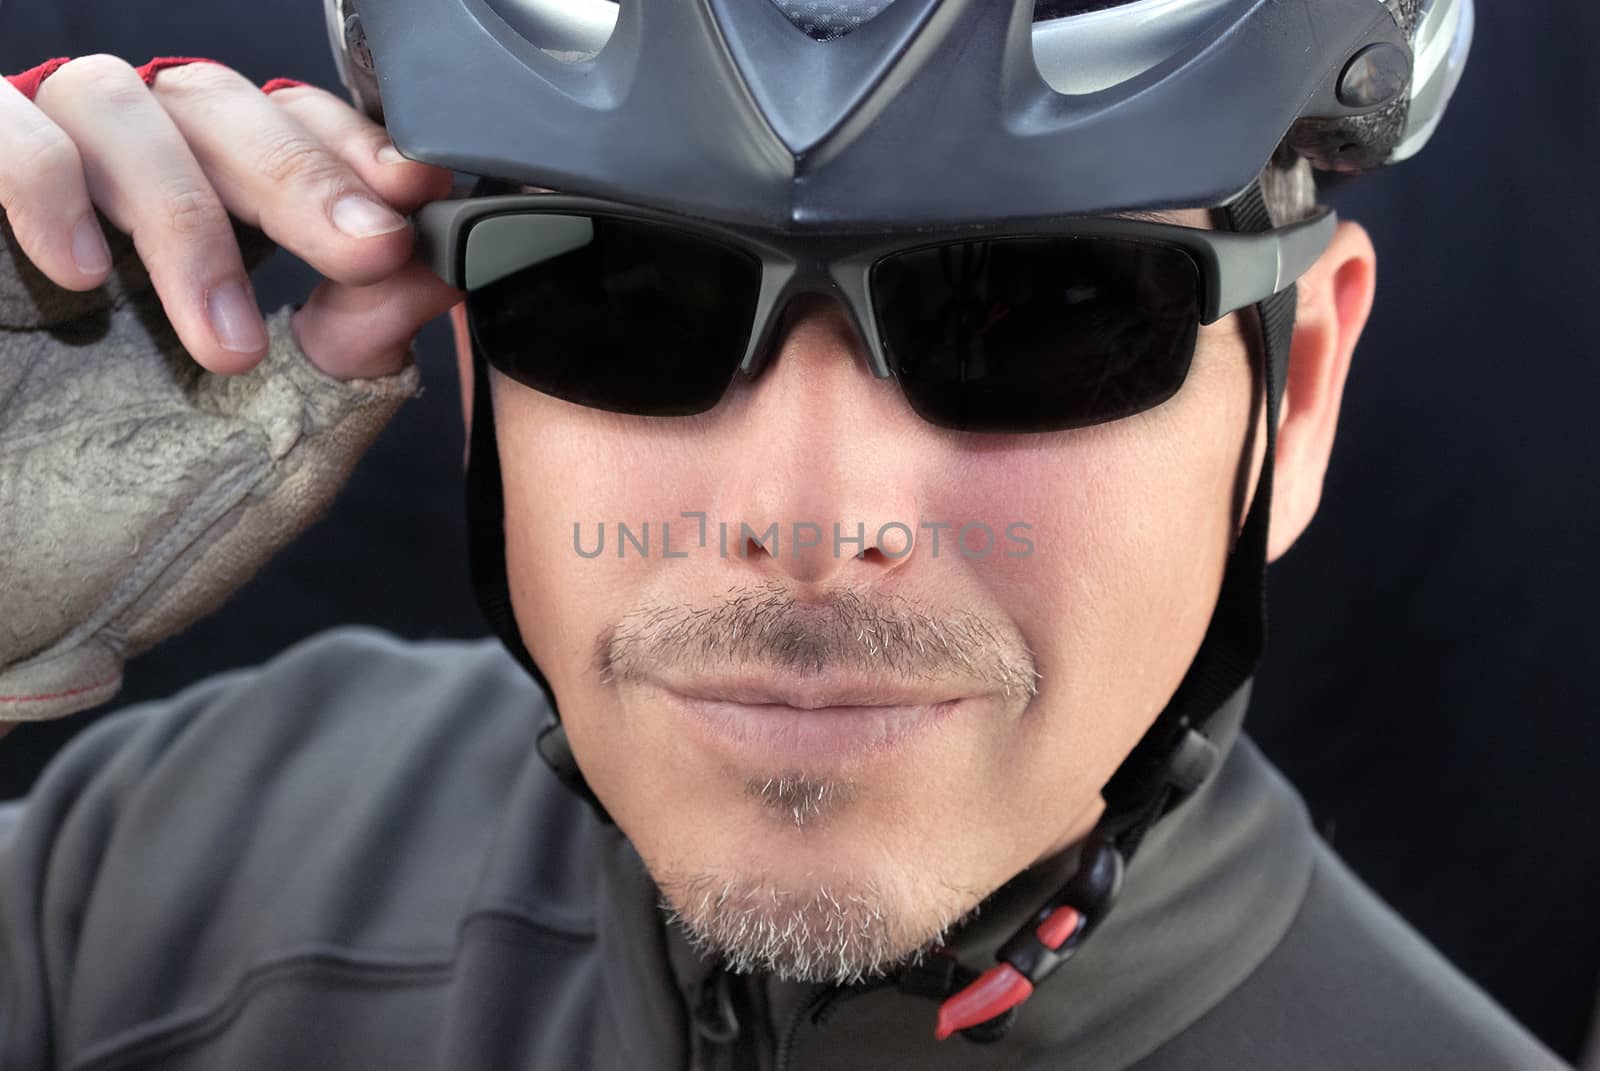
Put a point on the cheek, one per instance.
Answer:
(1131, 525)
(567, 471)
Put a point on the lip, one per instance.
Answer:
(804, 723)
(822, 693)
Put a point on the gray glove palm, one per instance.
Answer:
(137, 490)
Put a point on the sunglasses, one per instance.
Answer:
(1059, 324)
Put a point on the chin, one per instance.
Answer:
(835, 924)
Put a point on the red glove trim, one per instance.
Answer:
(29, 81)
(149, 71)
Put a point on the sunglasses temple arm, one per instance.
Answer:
(1248, 276)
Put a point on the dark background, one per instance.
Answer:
(1430, 683)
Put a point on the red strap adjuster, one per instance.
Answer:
(1037, 949)
(1002, 987)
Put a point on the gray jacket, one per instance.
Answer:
(353, 857)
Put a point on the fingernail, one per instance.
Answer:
(362, 217)
(390, 155)
(89, 247)
(235, 319)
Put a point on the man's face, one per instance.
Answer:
(971, 705)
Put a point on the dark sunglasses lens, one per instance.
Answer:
(623, 315)
(1037, 334)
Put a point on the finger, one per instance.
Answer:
(144, 178)
(365, 147)
(361, 332)
(45, 196)
(273, 173)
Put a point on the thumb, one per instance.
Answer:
(365, 332)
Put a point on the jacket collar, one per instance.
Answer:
(1208, 896)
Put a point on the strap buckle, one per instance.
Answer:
(1040, 946)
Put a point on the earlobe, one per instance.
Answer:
(1335, 301)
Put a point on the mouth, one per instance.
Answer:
(822, 693)
(809, 723)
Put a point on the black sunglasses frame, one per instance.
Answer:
(1236, 270)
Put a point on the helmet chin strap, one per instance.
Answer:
(486, 544)
(1174, 758)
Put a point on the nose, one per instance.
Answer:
(823, 473)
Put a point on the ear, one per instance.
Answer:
(1334, 302)
(458, 325)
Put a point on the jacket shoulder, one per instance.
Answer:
(1351, 984)
(342, 802)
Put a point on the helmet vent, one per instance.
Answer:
(829, 20)
(1044, 10)
(1088, 46)
(572, 31)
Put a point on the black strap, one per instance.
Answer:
(486, 544)
(1175, 756)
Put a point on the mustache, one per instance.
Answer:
(768, 627)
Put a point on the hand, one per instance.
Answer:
(169, 163)
(139, 488)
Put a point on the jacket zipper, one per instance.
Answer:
(786, 1042)
(819, 1005)
(722, 1022)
